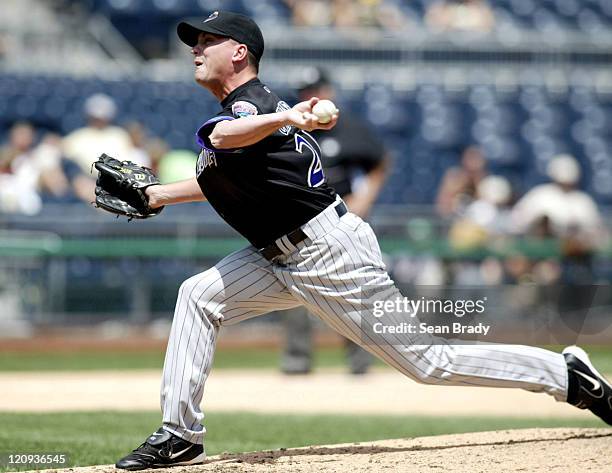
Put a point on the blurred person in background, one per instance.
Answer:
(310, 13)
(391, 17)
(491, 210)
(138, 139)
(62, 180)
(485, 221)
(347, 14)
(82, 146)
(568, 217)
(99, 136)
(18, 186)
(157, 148)
(32, 175)
(368, 13)
(459, 184)
(487, 217)
(20, 143)
(559, 210)
(55, 185)
(356, 164)
(460, 15)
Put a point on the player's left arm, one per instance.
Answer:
(178, 192)
(360, 201)
(246, 131)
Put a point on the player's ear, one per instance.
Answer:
(240, 53)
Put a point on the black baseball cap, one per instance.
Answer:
(239, 27)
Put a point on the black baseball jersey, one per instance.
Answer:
(267, 189)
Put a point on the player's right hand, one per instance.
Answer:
(301, 116)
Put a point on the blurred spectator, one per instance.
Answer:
(18, 185)
(558, 209)
(460, 15)
(491, 210)
(311, 12)
(31, 174)
(53, 182)
(459, 184)
(20, 142)
(85, 144)
(355, 163)
(138, 138)
(364, 13)
(156, 149)
(486, 217)
(63, 180)
(82, 146)
(485, 221)
(347, 13)
(391, 17)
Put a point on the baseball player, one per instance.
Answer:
(260, 169)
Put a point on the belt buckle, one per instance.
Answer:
(296, 236)
(341, 209)
(271, 248)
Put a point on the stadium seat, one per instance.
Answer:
(425, 129)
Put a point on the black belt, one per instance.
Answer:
(296, 236)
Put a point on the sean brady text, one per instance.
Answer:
(423, 328)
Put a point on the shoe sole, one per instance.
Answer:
(195, 461)
(199, 459)
(584, 357)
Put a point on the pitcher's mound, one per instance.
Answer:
(530, 450)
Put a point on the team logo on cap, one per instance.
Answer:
(212, 16)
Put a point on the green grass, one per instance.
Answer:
(75, 361)
(150, 359)
(224, 359)
(91, 438)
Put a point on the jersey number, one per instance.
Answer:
(315, 171)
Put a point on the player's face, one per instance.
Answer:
(212, 58)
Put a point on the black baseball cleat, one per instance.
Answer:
(163, 449)
(587, 389)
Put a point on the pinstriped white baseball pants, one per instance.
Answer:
(337, 273)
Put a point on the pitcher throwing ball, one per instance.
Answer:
(261, 171)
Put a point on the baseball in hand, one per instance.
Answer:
(324, 109)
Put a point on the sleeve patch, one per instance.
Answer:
(243, 109)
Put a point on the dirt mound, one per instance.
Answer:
(532, 450)
(383, 392)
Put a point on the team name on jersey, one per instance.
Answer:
(206, 159)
